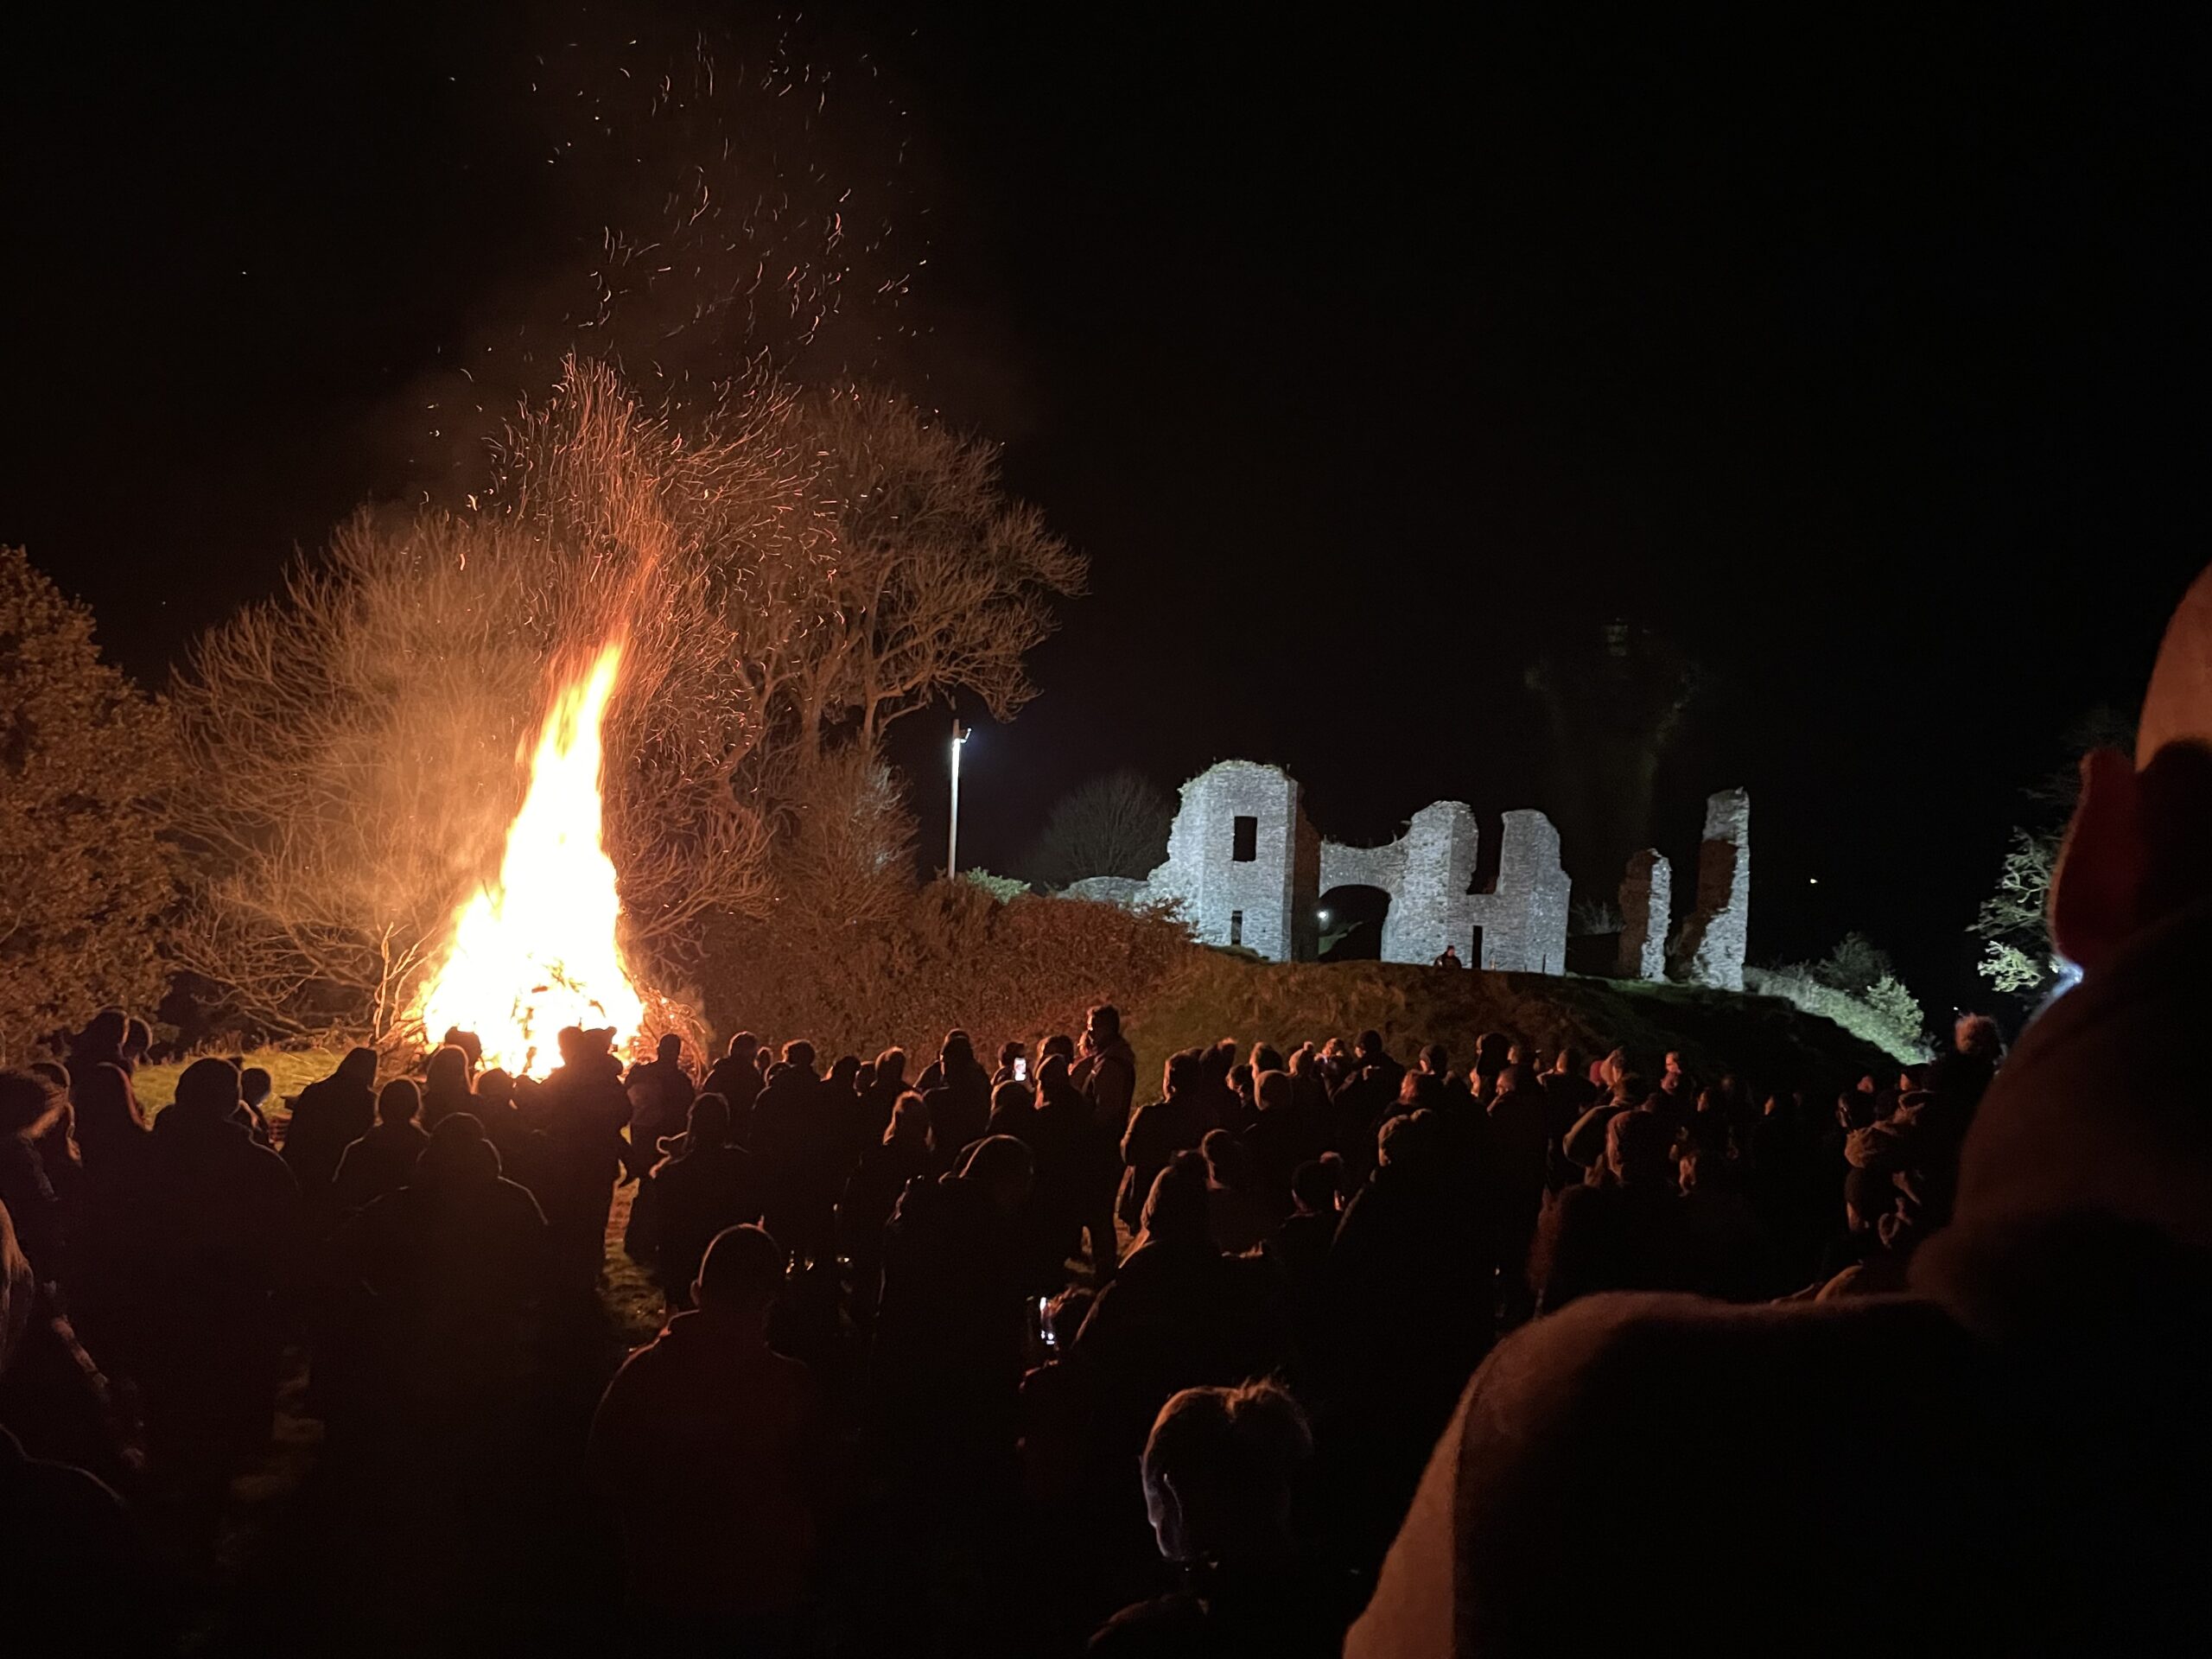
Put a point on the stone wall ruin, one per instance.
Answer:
(1647, 902)
(1715, 937)
(1244, 869)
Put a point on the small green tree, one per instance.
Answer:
(1004, 888)
(84, 762)
(1897, 1007)
(1854, 963)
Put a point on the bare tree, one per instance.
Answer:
(84, 765)
(367, 725)
(939, 581)
(1115, 825)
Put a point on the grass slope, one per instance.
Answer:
(1769, 1042)
(289, 1069)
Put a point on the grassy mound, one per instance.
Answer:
(1767, 1041)
(1185, 996)
(289, 1069)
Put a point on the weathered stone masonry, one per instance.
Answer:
(1246, 869)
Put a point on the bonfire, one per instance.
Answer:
(537, 949)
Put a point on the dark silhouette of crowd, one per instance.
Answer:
(1365, 1347)
(903, 1307)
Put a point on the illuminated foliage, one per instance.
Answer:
(84, 763)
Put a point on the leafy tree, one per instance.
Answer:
(1898, 1008)
(84, 762)
(1114, 825)
(1885, 1015)
(1854, 963)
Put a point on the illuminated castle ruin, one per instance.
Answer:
(1245, 868)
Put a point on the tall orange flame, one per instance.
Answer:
(536, 951)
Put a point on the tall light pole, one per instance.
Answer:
(952, 835)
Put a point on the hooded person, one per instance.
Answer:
(958, 1090)
(1626, 1232)
(328, 1117)
(446, 1086)
(1178, 1313)
(2036, 1409)
(220, 1231)
(1176, 1122)
(704, 1184)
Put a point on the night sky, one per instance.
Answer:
(1861, 362)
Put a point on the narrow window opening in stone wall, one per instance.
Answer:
(1475, 949)
(1245, 841)
(1237, 927)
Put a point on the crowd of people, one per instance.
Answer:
(1326, 1349)
(1014, 1304)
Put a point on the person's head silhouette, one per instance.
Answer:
(740, 1278)
(1218, 1468)
(399, 1101)
(208, 1092)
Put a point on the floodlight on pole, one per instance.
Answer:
(960, 736)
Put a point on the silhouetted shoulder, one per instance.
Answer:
(1663, 1422)
(1166, 1625)
(522, 1202)
(75, 1573)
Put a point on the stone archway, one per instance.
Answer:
(1351, 917)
